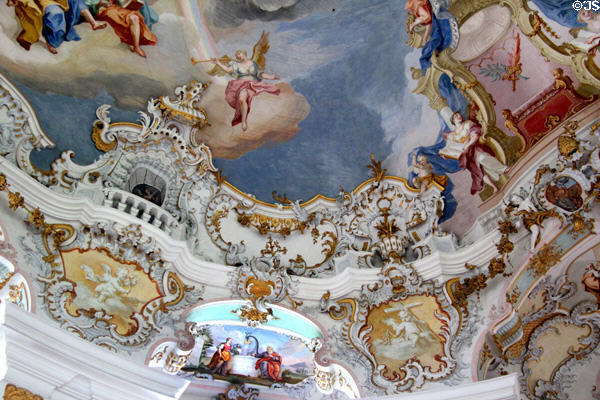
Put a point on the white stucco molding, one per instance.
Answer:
(501, 388)
(56, 364)
(445, 260)
(32, 127)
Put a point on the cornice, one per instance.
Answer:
(42, 357)
(439, 265)
(501, 388)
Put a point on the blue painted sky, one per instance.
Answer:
(356, 88)
(68, 121)
(356, 99)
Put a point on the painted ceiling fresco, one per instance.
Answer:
(167, 205)
(343, 89)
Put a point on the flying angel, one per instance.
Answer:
(248, 77)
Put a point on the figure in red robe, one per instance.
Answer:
(248, 82)
(127, 22)
(477, 158)
(269, 364)
(423, 13)
(219, 363)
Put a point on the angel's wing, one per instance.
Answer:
(260, 49)
(218, 71)
(107, 273)
(89, 273)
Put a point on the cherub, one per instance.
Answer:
(530, 216)
(248, 82)
(423, 15)
(591, 280)
(424, 173)
(109, 286)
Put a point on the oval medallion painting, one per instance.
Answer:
(565, 192)
(228, 349)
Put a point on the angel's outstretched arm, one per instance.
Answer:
(273, 77)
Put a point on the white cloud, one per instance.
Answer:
(404, 128)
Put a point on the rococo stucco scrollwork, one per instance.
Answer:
(336, 201)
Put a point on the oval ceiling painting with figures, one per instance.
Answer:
(234, 341)
(249, 355)
(292, 94)
(102, 283)
(300, 199)
(565, 193)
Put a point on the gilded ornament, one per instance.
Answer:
(376, 169)
(460, 290)
(548, 256)
(15, 200)
(497, 266)
(261, 280)
(15, 294)
(567, 144)
(536, 25)
(259, 288)
(486, 353)
(12, 392)
(506, 227)
(281, 199)
(243, 219)
(510, 121)
(325, 379)
(541, 171)
(562, 81)
(219, 177)
(97, 129)
(3, 183)
(579, 225)
(6, 279)
(513, 296)
(505, 246)
(253, 316)
(552, 121)
(571, 127)
(37, 218)
(266, 224)
(386, 228)
(273, 248)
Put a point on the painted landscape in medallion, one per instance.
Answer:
(250, 355)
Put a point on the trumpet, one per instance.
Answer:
(195, 61)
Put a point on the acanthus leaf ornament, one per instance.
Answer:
(99, 322)
(261, 280)
(239, 392)
(12, 392)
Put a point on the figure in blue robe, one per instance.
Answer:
(441, 166)
(55, 20)
(561, 11)
(59, 25)
(444, 34)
